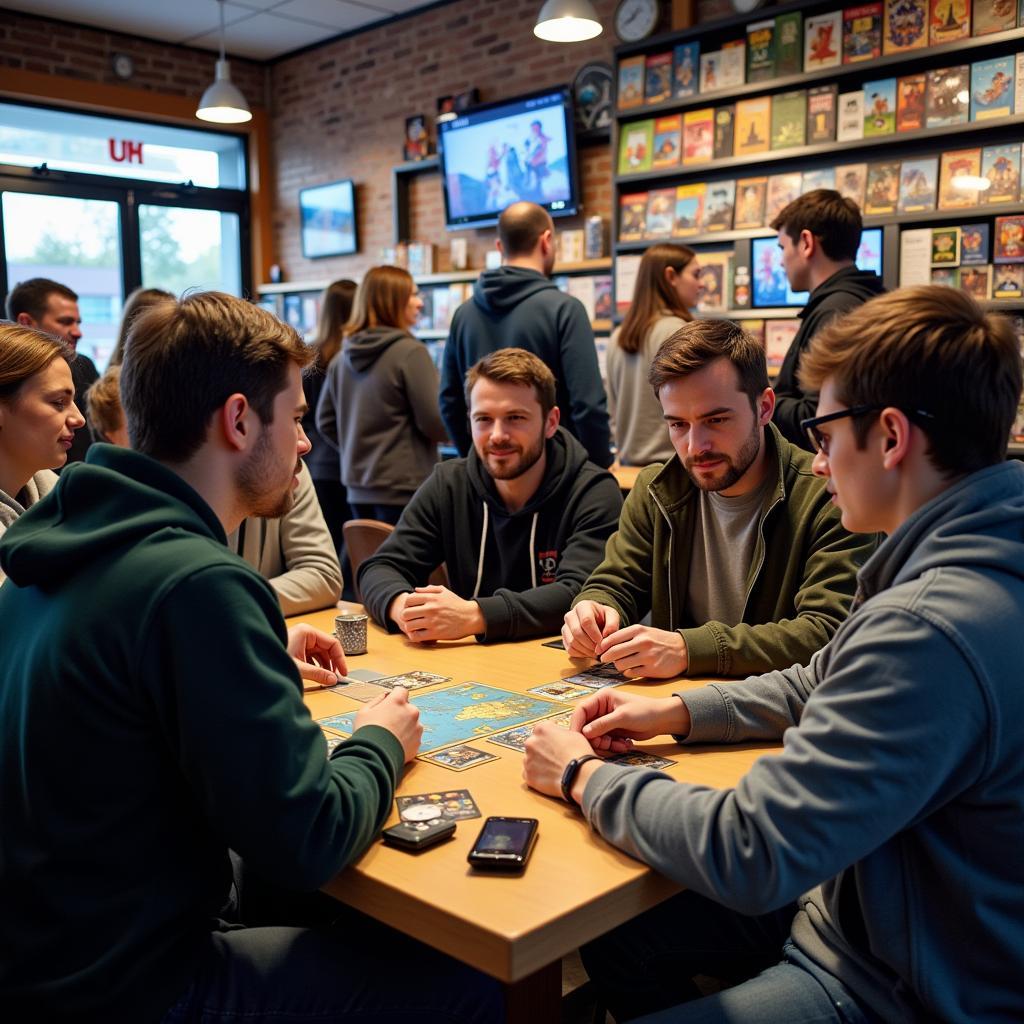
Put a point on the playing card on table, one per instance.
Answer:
(455, 804)
(639, 759)
(514, 739)
(359, 690)
(414, 680)
(459, 757)
(559, 690)
(597, 677)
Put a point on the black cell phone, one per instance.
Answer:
(504, 844)
(418, 835)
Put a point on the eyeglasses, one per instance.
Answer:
(819, 442)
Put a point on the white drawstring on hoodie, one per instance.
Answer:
(483, 544)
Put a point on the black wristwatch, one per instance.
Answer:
(570, 773)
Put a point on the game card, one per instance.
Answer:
(559, 690)
(338, 723)
(333, 739)
(359, 691)
(640, 759)
(597, 676)
(459, 758)
(413, 680)
(514, 739)
(455, 804)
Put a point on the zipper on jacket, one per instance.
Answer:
(671, 541)
(760, 565)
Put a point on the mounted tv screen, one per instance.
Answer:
(498, 154)
(328, 218)
(770, 285)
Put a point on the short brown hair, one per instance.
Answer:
(834, 221)
(137, 301)
(24, 352)
(104, 403)
(33, 297)
(381, 299)
(700, 343)
(927, 348)
(520, 227)
(185, 358)
(515, 366)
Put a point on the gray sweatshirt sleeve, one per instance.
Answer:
(755, 708)
(421, 388)
(326, 408)
(312, 575)
(892, 726)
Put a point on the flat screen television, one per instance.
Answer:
(769, 279)
(328, 220)
(500, 153)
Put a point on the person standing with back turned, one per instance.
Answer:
(518, 306)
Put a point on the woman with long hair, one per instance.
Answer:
(379, 405)
(139, 300)
(667, 288)
(38, 417)
(322, 459)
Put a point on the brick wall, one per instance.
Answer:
(36, 44)
(339, 111)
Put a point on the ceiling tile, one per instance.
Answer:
(333, 13)
(265, 35)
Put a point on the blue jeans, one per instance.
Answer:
(644, 969)
(356, 971)
(794, 991)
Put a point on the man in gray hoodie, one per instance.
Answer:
(517, 305)
(881, 848)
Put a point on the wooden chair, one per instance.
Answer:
(363, 537)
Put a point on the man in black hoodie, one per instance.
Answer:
(819, 235)
(520, 523)
(518, 305)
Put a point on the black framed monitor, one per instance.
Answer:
(769, 279)
(500, 153)
(328, 218)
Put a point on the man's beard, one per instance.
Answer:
(734, 468)
(252, 483)
(512, 470)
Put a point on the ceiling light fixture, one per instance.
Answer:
(567, 21)
(223, 102)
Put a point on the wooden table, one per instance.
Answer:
(576, 886)
(625, 476)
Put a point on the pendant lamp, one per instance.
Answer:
(567, 21)
(223, 102)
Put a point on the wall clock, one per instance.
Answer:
(636, 19)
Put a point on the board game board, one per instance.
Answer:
(464, 712)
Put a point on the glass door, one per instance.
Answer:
(183, 249)
(77, 242)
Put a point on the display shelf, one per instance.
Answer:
(909, 62)
(773, 156)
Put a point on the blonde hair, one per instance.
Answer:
(381, 299)
(24, 352)
(103, 400)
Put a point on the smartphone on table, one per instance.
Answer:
(504, 844)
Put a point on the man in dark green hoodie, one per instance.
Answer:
(517, 305)
(151, 718)
(520, 524)
(819, 235)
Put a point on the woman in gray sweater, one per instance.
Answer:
(379, 406)
(38, 417)
(667, 288)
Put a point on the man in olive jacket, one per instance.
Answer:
(734, 546)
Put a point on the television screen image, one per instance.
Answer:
(501, 153)
(769, 279)
(328, 217)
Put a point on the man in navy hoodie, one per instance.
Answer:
(520, 524)
(518, 305)
(880, 850)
